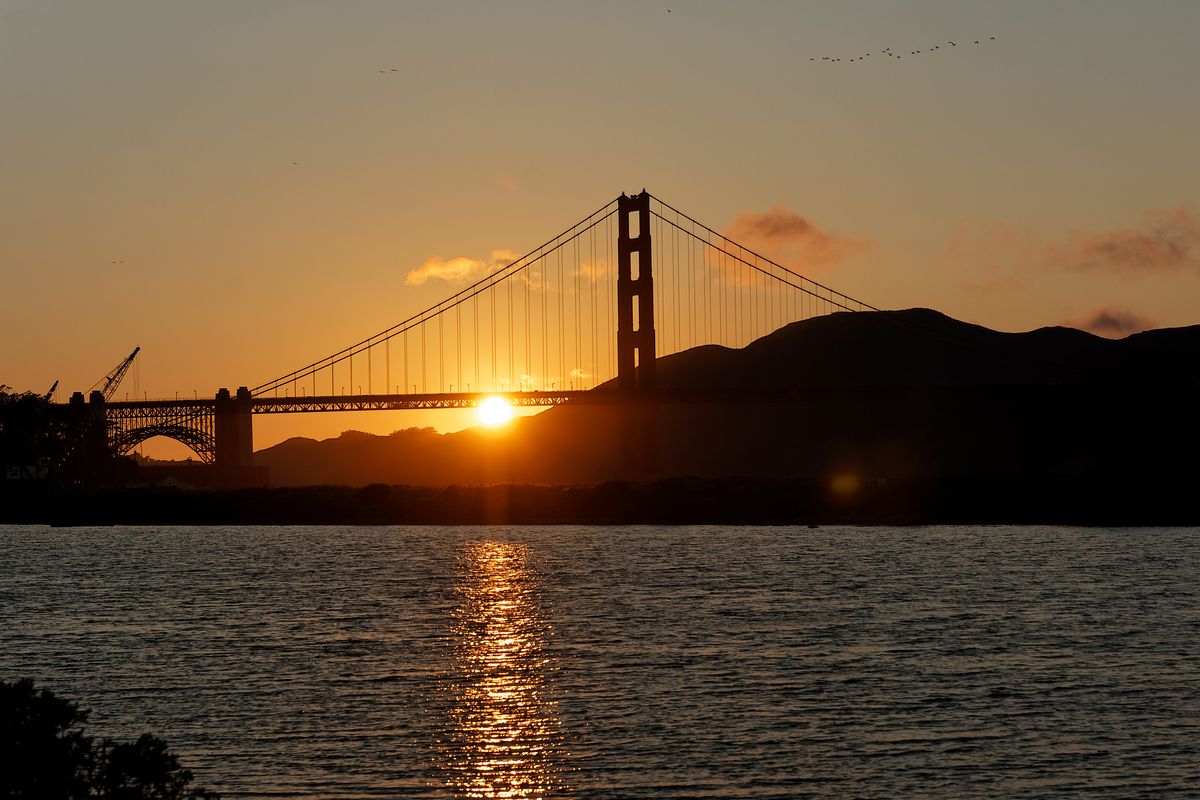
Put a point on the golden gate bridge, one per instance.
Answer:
(536, 331)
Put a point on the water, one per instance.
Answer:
(626, 662)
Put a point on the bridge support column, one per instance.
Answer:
(233, 429)
(636, 373)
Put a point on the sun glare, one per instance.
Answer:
(495, 411)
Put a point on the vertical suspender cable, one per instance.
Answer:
(660, 346)
(611, 370)
(675, 280)
(578, 350)
(702, 271)
(720, 298)
(562, 325)
(512, 357)
(595, 276)
(691, 289)
(528, 315)
(754, 305)
(492, 296)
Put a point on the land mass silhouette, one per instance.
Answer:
(864, 397)
(904, 417)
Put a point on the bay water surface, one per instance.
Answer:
(625, 662)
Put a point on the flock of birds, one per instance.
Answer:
(890, 53)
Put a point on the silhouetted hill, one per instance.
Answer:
(924, 348)
(898, 395)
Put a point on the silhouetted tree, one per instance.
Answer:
(43, 752)
(44, 755)
(30, 429)
(142, 770)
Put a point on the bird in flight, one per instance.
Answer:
(887, 51)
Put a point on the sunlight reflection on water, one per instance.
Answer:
(624, 663)
(503, 738)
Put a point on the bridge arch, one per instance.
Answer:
(200, 442)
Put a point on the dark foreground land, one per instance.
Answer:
(680, 501)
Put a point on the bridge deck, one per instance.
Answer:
(411, 402)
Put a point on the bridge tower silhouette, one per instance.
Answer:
(531, 330)
(636, 366)
(636, 370)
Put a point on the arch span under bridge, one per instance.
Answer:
(536, 330)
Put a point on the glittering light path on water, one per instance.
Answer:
(503, 739)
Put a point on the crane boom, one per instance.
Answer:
(113, 379)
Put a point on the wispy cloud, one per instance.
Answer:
(785, 237)
(593, 270)
(1113, 322)
(460, 269)
(992, 245)
(1165, 241)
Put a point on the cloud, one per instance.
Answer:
(1113, 322)
(1166, 241)
(994, 281)
(460, 269)
(593, 270)
(992, 245)
(787, 238)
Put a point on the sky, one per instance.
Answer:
(242, 188)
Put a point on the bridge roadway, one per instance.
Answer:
(370, 402)
(219, 429)
(436, 400)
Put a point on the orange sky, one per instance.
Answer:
(266, 191)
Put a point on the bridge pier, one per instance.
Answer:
(636, 369)
(233, 429)
(88, 421)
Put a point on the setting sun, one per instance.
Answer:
(495, 411)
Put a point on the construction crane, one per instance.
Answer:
(113, 379)
(50, 394)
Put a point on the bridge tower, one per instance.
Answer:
(635, 296)
(636, 373)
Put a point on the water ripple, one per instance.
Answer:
(696, 662)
